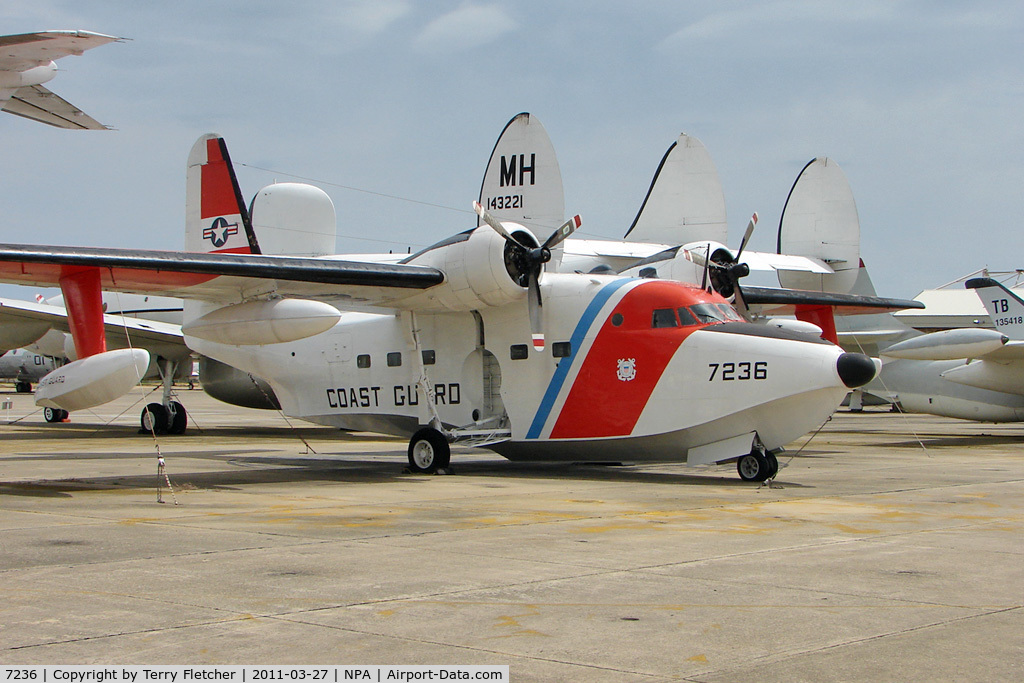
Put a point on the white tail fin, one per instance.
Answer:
(685, 202)
(1004, 307)
(216, 219)
(820, 220)
(523, 182)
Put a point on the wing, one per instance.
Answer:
(785, 301)
(220, 277)
(27, 50)
(162, 339)
(39, 104)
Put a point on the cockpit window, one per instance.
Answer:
(687, 318)
(664, 317)
(713, 313)
(730, 312)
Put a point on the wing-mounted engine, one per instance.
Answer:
(492, 267)
(481, 268)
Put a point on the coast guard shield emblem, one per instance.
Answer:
(627, 369)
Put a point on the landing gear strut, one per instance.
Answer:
(757, 465)
(428, 451)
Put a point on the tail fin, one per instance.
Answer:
(216, 219)
(1004, 307)
(685, 202)
(820, 220)
(523, 182)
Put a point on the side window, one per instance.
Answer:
(561, 349)
(686, 318)
(363, 360)
(429, 358)
(519, 352)
(664, 317)
(395, 359)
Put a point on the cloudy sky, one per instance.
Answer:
(920, 103)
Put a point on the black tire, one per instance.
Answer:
(753, 467)
(178, 419)
(155, 419)
(428, 451)
(773, 465)
(54, 414)
(23, 387)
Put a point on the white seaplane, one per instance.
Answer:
(438, 346)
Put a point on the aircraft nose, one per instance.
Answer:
(855, 369)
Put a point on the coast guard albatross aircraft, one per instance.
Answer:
(438, 347)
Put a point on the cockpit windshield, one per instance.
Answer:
(712, 313)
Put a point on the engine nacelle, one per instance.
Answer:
(949, 345)
(481, 269)
(35, 76)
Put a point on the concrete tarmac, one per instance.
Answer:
(890, 548)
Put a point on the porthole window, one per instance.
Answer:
(519, 352)
(395, 359)
(617, 319)
(429, 357)
(363, 360)
(561, 349)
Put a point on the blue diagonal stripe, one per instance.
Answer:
(565, 364)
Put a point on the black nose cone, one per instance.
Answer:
(855, 369)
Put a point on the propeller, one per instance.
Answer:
(726, 274)
(525, 264)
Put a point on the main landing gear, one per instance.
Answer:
(757, 465)
(429, 451)
(54, 414)
(167, 417)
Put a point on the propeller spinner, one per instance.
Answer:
(525, 263)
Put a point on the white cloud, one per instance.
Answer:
(465, 28)
(371, 17)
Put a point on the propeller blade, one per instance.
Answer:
(496, 225)
(536, 313)
(566, 229)
(746, 236)
(707, 264)
(739, 303)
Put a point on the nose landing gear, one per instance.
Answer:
(758, 465)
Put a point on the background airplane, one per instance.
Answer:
(27, 61)
(25, 368)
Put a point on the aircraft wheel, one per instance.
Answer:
(753, 466)
(773, 465)
(178, 419)
(54, 414)
(155, 419)
(428, 451)
(23, 387)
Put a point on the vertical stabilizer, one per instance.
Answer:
(685, 202)
(820, 220)
(216, 219)
(1004, 306)
(522, 182)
